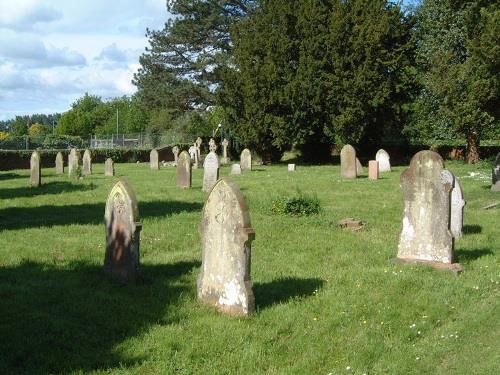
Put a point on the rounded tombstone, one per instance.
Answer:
(35, 169)
(348, 165)
(210, 171)
(384, 161)
(184, 170)
(246, 160)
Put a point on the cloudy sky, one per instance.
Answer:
(53, 51)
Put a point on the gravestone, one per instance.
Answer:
(59, 163)
(246, 160)
(495, 175)
(457, 210)
(291, 167)
(196, 156)
(210, 171)
(175, 151)
(425, 235)
(87, 163)
(235, 169)
(35, 170)
(184, 170)
(154, 162)
(226, 232)
(225, 159)
(348, 162)
(123, 228)
(373, 170)
(212, 146)
(74, 163)
(109, 168)
(199, 142)
(359, 168)
(384, 161)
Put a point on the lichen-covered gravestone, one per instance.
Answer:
(235, 169)
(359, 168)
(425, 235)
(226, 234)
(384, 161)
(246, 160)
(59, 163)
(109, 167)
(154, 162)
(495, 175)
(457, 210)
(373, 170)
(123, 229)
(74, 163)
(87, 163)
(210, 171)
(35, 172)
(184, 170)
(175, 151)
(348, 162)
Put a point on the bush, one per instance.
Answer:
(299, 205)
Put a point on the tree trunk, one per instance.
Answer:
(472, 147)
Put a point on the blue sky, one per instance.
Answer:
(53, 51)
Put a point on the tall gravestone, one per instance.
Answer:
(74, 163)
(175, 151)
(35, 169)
(199, 142)
(109, 167)
(210, 171)
(87, 163)
(196, 155)
(384, 161)
(495, 175)
(184, 170)
(246, 160)
(123, 228)
(59, 163)
(225, 159)
(348, 162)
(226, 232)
(154, 162)
(425, 235)
(457, 209)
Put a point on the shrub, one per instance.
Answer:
(299, 205)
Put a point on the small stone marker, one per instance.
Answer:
(184, 170)
(225, 159)
(175, 151)
(359, 168)
(210, 171)
(87, 163)
(425, 236)
(212, 146)
(373, 170)
(35, 172)
(123, 228)
(291, 167)
(384, 161)
(73, 163)
(246, 160)
(348, 162)
(235, 169)
(154, 162)
(59, 163)
(457, 210)
(109, 168)
(226, 232)
(495, 175)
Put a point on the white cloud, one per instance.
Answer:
(22, 15)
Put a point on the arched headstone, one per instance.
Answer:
(495, 175)
(35, 172)
(457, 210)
(73, 163)
(123, 228)
(109, 167)
(226, 234)
(384, 161)
(59, 163)
(210, 171)
(246, 160)
(87, 163)
(154, 163)
(348, 162)
(184, 170)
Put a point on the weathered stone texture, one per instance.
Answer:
(73, 162)
(59, 163)
(175, 151)
(225, 158)
(246, 160)
(348, 162)
(212, 146)
(154, 162)
(35, 169)
(184, 170)
(210, 171)
(457, 209)
(384, 161)
(109, 167)
(373, 169)
(87, 163)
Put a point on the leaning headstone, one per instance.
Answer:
(87, 163)
(59, 163)
(495, 175)
(225, 159)
(35, 171)
(384, 161)
(74, 163)
(348, 162)
(291, 167)
(154, 162)
(175, 151)
(457, 210)
(425, 235)
(212, 146)
(226, 232)
(246, 160)
(359, 167)
(123, 229)
(235, 169)
(184, 170)
(210, 171)
(373, 170)
(109, 168)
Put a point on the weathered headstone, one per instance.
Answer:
(373, 170)
(291, 167)
(425, 235)
(235, 169)
(184, 170)
(59, 163)
(196, 154)
(175, 151)
(123, 229)
(87, 163)
(495, 175)
(246, 160)
(348, 162)
(35, 169)
(212, 146)
(225, 159)
(154, 162)
(457, 210)
(109, 167)
(384, 161)
(359, 168)
(199, 142)
(210, 171)
(226, 232)
(74, 163)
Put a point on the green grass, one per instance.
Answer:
(328, 300)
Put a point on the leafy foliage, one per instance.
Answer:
(298, 205)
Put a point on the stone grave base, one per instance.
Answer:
(454, 267)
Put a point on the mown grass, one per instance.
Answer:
(328, 300)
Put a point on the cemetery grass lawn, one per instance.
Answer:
(328, 300)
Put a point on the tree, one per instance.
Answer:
(83, 118)
(20, 126)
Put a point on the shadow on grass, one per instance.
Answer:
(11, 176)
(462, 256)
(284, 289)
(47, 216)
(55, 187)
(59, 320)
(472, 229)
